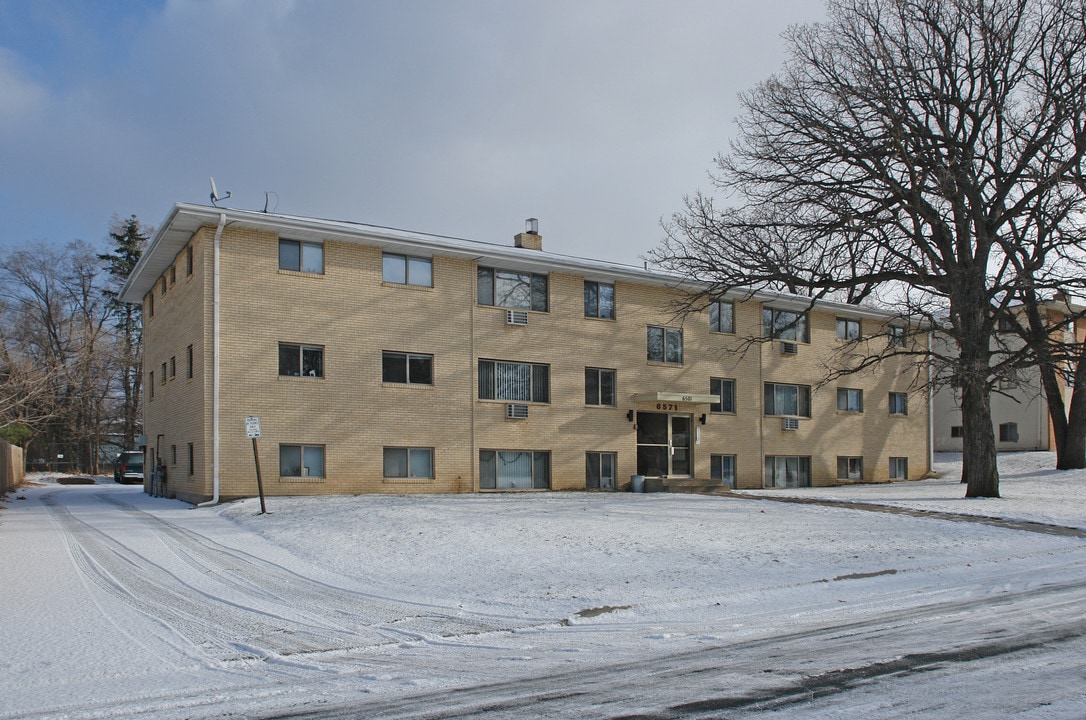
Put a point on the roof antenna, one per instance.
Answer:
(215, 197)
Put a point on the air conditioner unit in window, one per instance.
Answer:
(516, 412)
(789, 348)
(789, 423)
(516, 317)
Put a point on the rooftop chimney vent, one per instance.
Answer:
(531, 225)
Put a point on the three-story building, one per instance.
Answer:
(384, 361)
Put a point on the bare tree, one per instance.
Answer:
(55, 322)
(906, 153)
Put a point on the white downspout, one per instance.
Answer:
(215, 365)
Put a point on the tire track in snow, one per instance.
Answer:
(236, 607)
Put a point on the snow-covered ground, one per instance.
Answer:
(546, 605)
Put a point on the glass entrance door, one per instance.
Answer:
(663, 444)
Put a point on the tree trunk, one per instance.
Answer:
(1071, 449)
(979, 469)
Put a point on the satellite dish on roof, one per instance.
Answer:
(215, 197)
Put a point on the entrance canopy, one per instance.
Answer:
(671, 397)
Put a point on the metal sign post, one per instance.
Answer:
(252, 429)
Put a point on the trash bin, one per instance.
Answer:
(637, 483)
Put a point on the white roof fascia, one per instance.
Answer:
(185, 219)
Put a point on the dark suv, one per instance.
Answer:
(128, 467)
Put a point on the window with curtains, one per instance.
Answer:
(787, 471)
(787, 400)
(517, 382)
(514, 470)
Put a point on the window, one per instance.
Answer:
(899, 403)
(192, 460)
(301, 360)
(151, 304)
(409, 463)
(600, 470)
(899, 468)
(188, 260)
(514, 470)
(1005, 324)
(665, 345)
(956, 431)
(722, 317)
(173, 455)
(785, 325)
(1007, 383)
(850, 400)
(724, 392)
(397, 367)
(173, 367)
(162, 284)
(301, 461)
(599, 386)
(848, 329)
(782, 471)
(512, 289)
(787, 400)
(151, 383)
(1008, 432)
(519, 382)
(722, 468)
(895, 336)
(172, 274)
(407, 270)
(301, 256)
(850, 468)
(162, 375)
(599, 300)
(188, 359)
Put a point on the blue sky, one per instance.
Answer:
(455, 117)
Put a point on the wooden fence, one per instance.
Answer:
(12, 467)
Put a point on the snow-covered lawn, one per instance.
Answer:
(545, 604)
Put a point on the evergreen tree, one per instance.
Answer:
(129, 238)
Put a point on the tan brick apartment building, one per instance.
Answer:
(386, 361)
